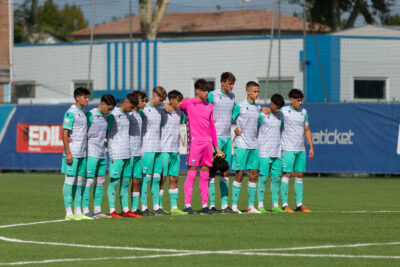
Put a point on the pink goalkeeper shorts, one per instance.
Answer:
(200, 154)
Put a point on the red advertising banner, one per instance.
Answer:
(39, 138)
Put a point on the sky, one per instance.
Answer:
(106, 10)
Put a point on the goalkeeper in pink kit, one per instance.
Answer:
(201, 138)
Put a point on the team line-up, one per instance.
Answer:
(143, 138)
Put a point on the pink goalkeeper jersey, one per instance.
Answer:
(200, 122)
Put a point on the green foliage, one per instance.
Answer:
(31, 20)
(392, 20)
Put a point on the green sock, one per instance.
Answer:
(275, 189)
(155, 189)
(77, 192)
(284, 189)
(251, 191)
(98, 189)
(262, 181)
(112, 187)
(236, 186)
(143, 189)
(135, 200)
(124, 193)
(173, 197)
(224, 187)
(298, 189)
(211, 192)
(67, 191)
(86, 192)
(161, 197)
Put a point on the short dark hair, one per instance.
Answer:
(175, 94)
(296, 93)
(202, 85)
(139, 94)
(108, 99)
(251, 84)
(133, 99)
(278, 100)
(228, 76)
(80, 91)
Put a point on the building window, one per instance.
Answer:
(211, 83)
(369, 88)
(275, 86)
(26, 89)
(82, 83)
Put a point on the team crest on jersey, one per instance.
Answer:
(89, 172)
(116, 173)
(193, 160)
(206, 106)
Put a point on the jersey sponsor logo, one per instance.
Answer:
(66, 121)
(39, 138)
(333, 138)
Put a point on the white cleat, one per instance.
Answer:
(101, 215)
(253, 211)
(236, 210)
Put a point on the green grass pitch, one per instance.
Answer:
(355, 222)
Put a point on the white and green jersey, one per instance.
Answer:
(294, 122)
(223, 109)
(135, 132)
(75, 121)
(97, 130)
(151, 129)
(269, 135)
(118, 135)
(170, 130)
(247, 117)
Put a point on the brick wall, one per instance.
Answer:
(4, 46)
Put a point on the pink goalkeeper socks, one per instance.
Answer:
(203, 184)
(191, 176)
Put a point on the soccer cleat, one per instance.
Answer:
(126, 214)
(213, 210)
(236, 210)
(205, 210)
(226, 210)
(253, 211)
(84, 217)
(178, 212)
(134, 215)
(71, 218)
(146, 212)
(88, 214)
(189, 210)
(137, 212)
(114, 215)
(278, 209)
(262, 210)
(288, 209)
(160, 211)
(303, 208)
(100, 215)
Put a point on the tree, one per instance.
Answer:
(30, 19)
(393, 20)
(150, 20)
(331, 12)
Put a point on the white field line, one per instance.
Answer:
(358, 211)
(32, 223)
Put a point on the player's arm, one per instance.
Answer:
(67, 126)
(184, 104)
(183, 117)
(210, 97)
(214, 134)
(89, 119)
(308, 135)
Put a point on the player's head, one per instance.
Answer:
(201, 88)
(175, 99)
(107, 103)
(130, 102)
(159, 95)
(296, 98)
(227, 81)
(277, 102)
(252, 90)
(81, 96)
(141, 99)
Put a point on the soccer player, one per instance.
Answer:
(247, 115)
(152, 165)
(74, 158)
(295, 127)
(223, 102)
(269, 147)
(96, 160)
(120, 155)
(135, 143)
(201, 138)
(170, 140)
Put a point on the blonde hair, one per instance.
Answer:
(160, 92)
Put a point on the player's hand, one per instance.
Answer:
(215, 121)
(266, 110)
(219, 152)
(69, 158)
(311, 153)
(167, 108)
(69, 139)
(238, 131)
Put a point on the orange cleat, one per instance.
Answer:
(303, 208)
(288, 209)
(114, 215)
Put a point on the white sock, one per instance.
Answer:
(96, 209)
(260, 204)
(274, 205)
(112, 210)
(187, 206)
(284, 205)
(174, 207)
(205, 205)
(234, 207)
(126, 209)
(212, 206)
(85, 210)
(161, 192)
(299, 204)
(144, 207)
(77, 211)
(251, 207)
(68, 211)
(224, 206)
(156, 207)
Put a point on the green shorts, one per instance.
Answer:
(170, 163)
(77, 168)
(95, 167)
(245, 159)
(120, 168)
(271, 166)
(137, 167)
(294, 161)
(225, 144)
(152, 162)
